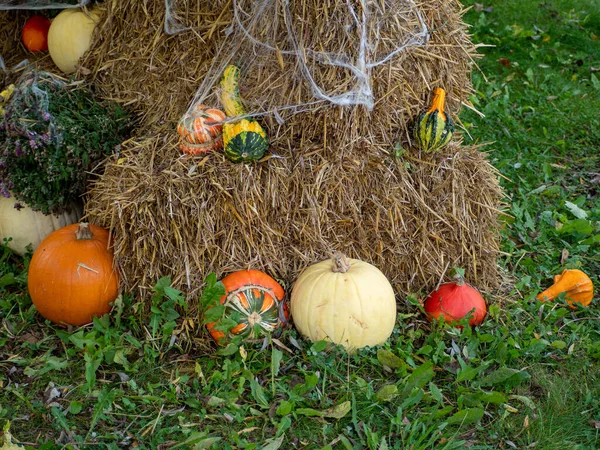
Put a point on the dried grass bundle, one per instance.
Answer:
(12, 50)
(133, 61)
(188, 216)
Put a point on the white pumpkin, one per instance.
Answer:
(344, 301)
(70, 36)
(26, 226)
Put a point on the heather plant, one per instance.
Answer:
(53, 134)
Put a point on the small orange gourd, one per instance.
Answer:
(200, 130)
(575, 283)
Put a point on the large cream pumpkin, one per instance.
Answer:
(345, 301)
(70, 36)
(26, 226)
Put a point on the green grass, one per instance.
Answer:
(529, 377)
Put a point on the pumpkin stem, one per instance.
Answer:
(458, 275)
(439, 102)
(83, 231)
(340, 263)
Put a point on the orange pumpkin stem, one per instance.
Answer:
(340, 263)
(83, 231)
(439, 102)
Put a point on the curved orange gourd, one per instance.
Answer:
(71, 278)
(257, 298)
(575, 283)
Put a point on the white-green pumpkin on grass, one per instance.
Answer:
(26, 226)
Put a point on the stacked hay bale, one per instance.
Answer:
(9, 39)
(134, 61)
(332, 179)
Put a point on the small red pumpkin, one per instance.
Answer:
(200, 130)
(258, 299)
(71, 278)
(454, 301)
(35, 34)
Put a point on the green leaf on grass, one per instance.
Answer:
(198, 440)
(577, 227)
(75, 407)
(498, 376)
(388, 359)
(7, 280)
(495, 398)
(231, 349)
(276, 357)
(576, 210)
(310, 381)
(212, 292)
(258, 394)
(284, 408)
(338, 411)
(419, 378)
(309, 412)
(387, 393)
(525, 400)
(466, 416)
(274, 444)
(436, 394)
(206, 443)
(466, 374)
(319, 346)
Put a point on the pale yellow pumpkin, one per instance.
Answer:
(344, 301)
(70, 36)
(26, 226)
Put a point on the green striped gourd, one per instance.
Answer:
(433, 128)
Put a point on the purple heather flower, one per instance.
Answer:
(47, 116)
(4, 190)
(32, 144)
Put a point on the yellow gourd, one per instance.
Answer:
(575, 283)
(70, 37)
(344, 301)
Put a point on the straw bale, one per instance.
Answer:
(185, 217)
(274, 84)
(12, 50)
(330, 180)
(133, 61)
(10, 27)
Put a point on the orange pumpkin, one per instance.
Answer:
(258, 299)
(71, 278)
(575, 283)
(200, 130)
